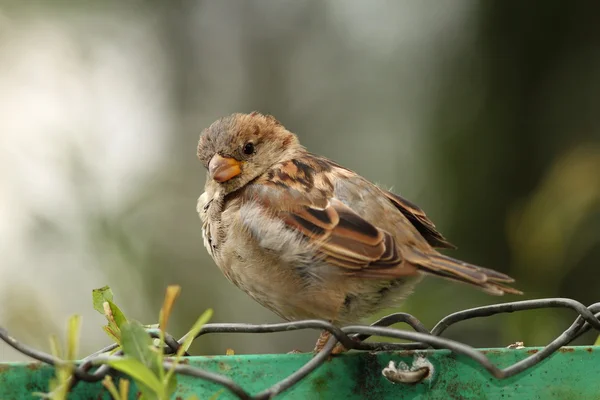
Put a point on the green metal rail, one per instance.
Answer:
(572, 373)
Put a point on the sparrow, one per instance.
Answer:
(310, 239)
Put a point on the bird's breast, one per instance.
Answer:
(278, 268)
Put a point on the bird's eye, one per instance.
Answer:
(248, 148)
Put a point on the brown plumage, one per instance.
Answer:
(308, 238)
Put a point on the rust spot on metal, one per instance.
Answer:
(320, 385)
(589, 349)
(566, 350)
(223, 366)
(184, 361)
(34, 366)
(532, 351)
(456, 390)
(491, 351)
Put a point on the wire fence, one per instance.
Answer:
(93, 368)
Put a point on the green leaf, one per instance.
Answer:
(108, 383)
(189, 338)
(191, 335)
(112, 334)
(171, 385)
(59, 384)
(103, 303)
(139, 372)
(124, 388)
(146, 392)
(55, 349)
(117, 314)
(73, 330)
(99, 296)
(137, 344)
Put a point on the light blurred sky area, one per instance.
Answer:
(483, 113)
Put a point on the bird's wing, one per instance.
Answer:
(419, 220)
(301, 195)
(334, 230)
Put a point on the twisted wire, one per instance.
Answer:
(351, 337)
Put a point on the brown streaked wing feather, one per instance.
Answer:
(420, 221)
(342, 237)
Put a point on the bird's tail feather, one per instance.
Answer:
(488, 280)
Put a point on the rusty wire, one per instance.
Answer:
(351, 337)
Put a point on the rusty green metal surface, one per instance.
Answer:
(571, 373)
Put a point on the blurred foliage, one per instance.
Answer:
(60, 385)
(482, 113)
(142, 360)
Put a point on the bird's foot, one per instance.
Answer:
(322, 341)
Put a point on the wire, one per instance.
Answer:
(351, 337)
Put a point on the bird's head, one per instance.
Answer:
(241, 147)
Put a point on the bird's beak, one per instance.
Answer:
(222, 169)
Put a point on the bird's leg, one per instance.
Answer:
(339, 349)
(322, 341)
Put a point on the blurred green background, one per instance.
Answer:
(483, 113)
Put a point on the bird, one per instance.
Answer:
(310, 239)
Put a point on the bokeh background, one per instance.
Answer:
(483, 113)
